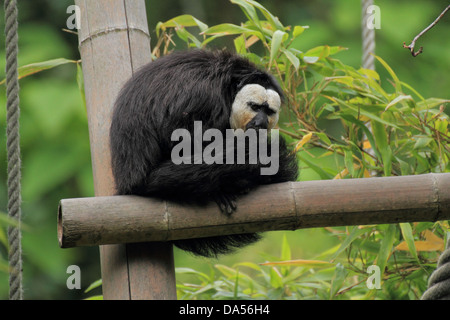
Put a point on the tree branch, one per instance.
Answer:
(413, 43)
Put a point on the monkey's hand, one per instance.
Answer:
(226, 202)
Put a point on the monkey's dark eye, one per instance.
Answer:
(254, 106)
(270, 112)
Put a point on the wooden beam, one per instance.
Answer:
(114, 41)
(284, 206)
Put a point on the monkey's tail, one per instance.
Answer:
(211, 247)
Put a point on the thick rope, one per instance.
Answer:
(439, 281)
(368, 38)
(13, 149)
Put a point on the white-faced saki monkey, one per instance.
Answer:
(220, 91)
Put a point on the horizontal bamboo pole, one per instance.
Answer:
(284, 206)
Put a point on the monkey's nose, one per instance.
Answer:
(258, 122)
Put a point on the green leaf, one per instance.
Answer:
(249, 11)
(370, 73)
(33, 68)
(397, 100)
(386, 247)
(412, 90)
(274, 21)
(366, 130)
(298, 30)
(277, 39)
(225, 29)
(348, 159)
(382, 145)
(285, 249)
(355, 233)
(198, 274)
(364, 112)
(186, 36)
(386, 155)
(227, 271)
(3, 239)
(431, 103)
(338, 279)
(185, 20)
(276, 280)
(322, 173)
(320, 51)
(93, 285)
(347, 80)
(97, 297)
(322, 136)
(8, 221)
(398, 85)
(336, 49)
(239, 44)
(80, 83)
(409, 238)
(442, 125)
(422, 142)
(291, 57)
(310, 60)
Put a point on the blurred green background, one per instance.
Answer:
(54, 134)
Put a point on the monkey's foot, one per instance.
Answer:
(226, 202)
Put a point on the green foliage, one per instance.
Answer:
(344, 123)
(285, 279)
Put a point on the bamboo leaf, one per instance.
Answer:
(322, 173)
(338, 279)
(355, 233)
(276, 280)
(370, 73)
(383, 147)
(320, 52)
(397, 100)
(303, 141)
(398, 85)
(239, 44)
(362, 111)
(185, 20)
(277, 39)
(33, 68)
(226, 29)
(292, 58)
(274, 21)
(348, 159)
(386, 247)
(93, 285)
(431, 103)
(422, 142)
(285, 249)
(300, 263)
(249, 11)
(80, 83)
(298, 30)
(409, 239)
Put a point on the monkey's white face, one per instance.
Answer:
(251, 100)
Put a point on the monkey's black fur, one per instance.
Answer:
(171, 93)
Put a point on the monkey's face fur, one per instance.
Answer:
(255, 107)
